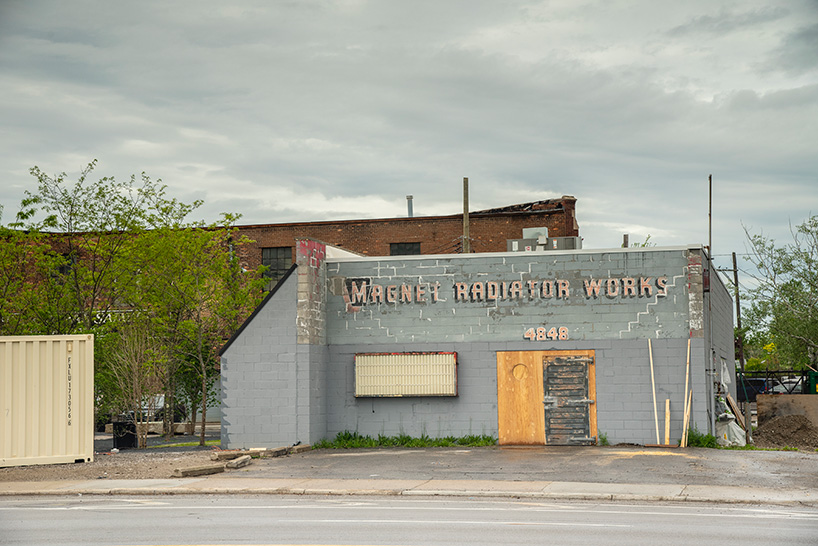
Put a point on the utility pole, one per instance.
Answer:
(466, 241)
(748, 436)
(711, 367)
(710, 217)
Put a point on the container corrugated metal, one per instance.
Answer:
(46, 399)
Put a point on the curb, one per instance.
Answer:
(587, 496)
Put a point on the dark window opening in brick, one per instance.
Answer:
(404, 249)
(65, 266)
(277, 260)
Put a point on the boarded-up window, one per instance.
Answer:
(405, 374)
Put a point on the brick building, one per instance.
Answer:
(274, 244)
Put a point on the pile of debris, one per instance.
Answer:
(236, 458)
(787, 431)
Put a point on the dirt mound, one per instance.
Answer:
(787, 431)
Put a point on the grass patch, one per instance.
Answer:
(748, 447)
(751, 447)
(189, 444)
(603, 440)
(352, 440)
(697, 439)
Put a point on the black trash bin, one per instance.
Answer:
(124, 433)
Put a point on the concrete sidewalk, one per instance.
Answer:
(226, 484)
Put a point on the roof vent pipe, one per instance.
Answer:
(409, 205)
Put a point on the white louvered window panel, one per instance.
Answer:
(405, 374)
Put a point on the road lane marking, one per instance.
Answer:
(681, 511)
(452, 522)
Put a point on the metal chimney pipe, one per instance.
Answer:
(409, 205)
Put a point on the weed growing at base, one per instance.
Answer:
(697, 439)
(348, 440)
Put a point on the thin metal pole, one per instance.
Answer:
(466, 241)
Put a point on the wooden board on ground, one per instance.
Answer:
(736, 412)
(202, 470)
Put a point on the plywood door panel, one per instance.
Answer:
(519, 398)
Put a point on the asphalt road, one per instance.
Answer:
(316, 520)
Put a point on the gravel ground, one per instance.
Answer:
(156, 462)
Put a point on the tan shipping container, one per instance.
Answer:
(46, 399)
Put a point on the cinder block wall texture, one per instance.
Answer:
(259, 378)
(604, 295)
(624, 397)
(278, 392)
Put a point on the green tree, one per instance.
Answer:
(121, 261)
(90, 229)
(202, 297)
(139, 360)
(20, 256)
(784, 302)
(33, 295)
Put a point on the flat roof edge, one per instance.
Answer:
(477, 255)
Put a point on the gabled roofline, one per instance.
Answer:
(258, 308)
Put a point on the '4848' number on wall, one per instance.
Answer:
(543, 334)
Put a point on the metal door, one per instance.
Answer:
(568, 399)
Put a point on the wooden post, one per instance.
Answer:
(653, 388)
(686, 423)
(466, 240)
(687, 381)
(667, 421)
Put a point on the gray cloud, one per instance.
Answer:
(314, 110)
(726, 22)
(797, 54)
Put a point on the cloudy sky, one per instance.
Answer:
(307, 110)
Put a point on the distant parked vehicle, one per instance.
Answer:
(154, 410)
(750, 387)
(789, 386)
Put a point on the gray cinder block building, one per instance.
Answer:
(536, 347)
